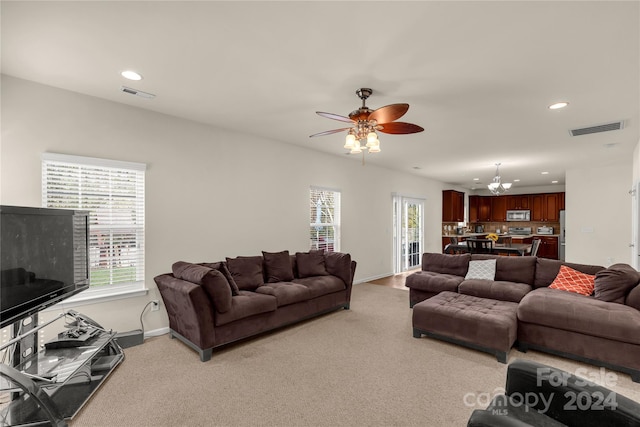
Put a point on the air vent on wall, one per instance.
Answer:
(599, 128)
(137, 92)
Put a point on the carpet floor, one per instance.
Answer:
(358, 367)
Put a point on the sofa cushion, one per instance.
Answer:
(221, 266)
(216, 285)
(277, 266)
(518, 269)
(433, 282)
(286, 293)
(571, 280)
(456, 265)
(311, 264)
(339, 264)
(321, 285)
(547, 270)
(485, 269)
(246, 304)
(246, 271)
(498, 290)
(633, 299)
(579, 313)
(614, 283)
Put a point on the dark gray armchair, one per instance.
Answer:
(540, 395)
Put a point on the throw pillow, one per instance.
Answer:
(215, 284)
(571, 280)
(311, 264)
(485, 269)
(190, 272)
(221, 266)
(277, 266)
(614, 283)
(246, 271)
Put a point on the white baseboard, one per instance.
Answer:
(156, 332)
(368, 279)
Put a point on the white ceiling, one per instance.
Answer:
(478, 75)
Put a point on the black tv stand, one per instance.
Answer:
(50, 386)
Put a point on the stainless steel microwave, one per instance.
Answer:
(518, 215)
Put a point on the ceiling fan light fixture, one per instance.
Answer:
(372, 137)
(350, 141)
(375, 148)
(356, 148)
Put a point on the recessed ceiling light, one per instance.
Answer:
(544, 173)
(558, 105)
(476, 179)
(554, 182)
(516, 180)
(131, 75)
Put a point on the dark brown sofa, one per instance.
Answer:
(602, 329)
(213, 304)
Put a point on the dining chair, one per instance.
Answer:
(480, 246)
(534, 247)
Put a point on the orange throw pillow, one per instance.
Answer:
(572, 280)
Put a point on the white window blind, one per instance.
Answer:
(324, 208)
(113, 193)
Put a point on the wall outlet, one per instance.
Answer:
(155, 305)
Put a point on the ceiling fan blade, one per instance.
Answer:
(328, 132)
(389, 113)
(334, 117)
(399, 128)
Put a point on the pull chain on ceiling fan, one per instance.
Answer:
(365, 122)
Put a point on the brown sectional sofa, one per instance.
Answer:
(213, 304)
(602, 329)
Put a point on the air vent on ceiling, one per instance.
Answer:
(596, 129)
(137, 92)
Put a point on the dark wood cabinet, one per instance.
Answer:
(546, 207)
(473, 208)
(518, 201)
(484, 209)
(552, 207)
(452, 206)
(548, 247)
(498, 208)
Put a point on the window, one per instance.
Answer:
(113, 193)
(324, 208)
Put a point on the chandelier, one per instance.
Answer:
(497, 187)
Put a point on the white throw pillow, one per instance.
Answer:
(485, 269)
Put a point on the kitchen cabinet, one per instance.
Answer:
(546, 207)
(452, 206)
(473, 208)
(484, 209)
(498, 208)
(548, 247)
(517, 201)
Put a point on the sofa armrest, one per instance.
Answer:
(189, 309)
(568, 398)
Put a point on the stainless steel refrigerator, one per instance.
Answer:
(561, 246)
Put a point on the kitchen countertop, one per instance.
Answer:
(514, 236)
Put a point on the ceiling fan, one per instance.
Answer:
(365, 122)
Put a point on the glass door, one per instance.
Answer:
(408, 233)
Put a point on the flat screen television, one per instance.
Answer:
(44, 258)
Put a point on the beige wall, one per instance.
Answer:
(598, 215)
(210, 193)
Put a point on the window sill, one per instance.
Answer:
(98, 297)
